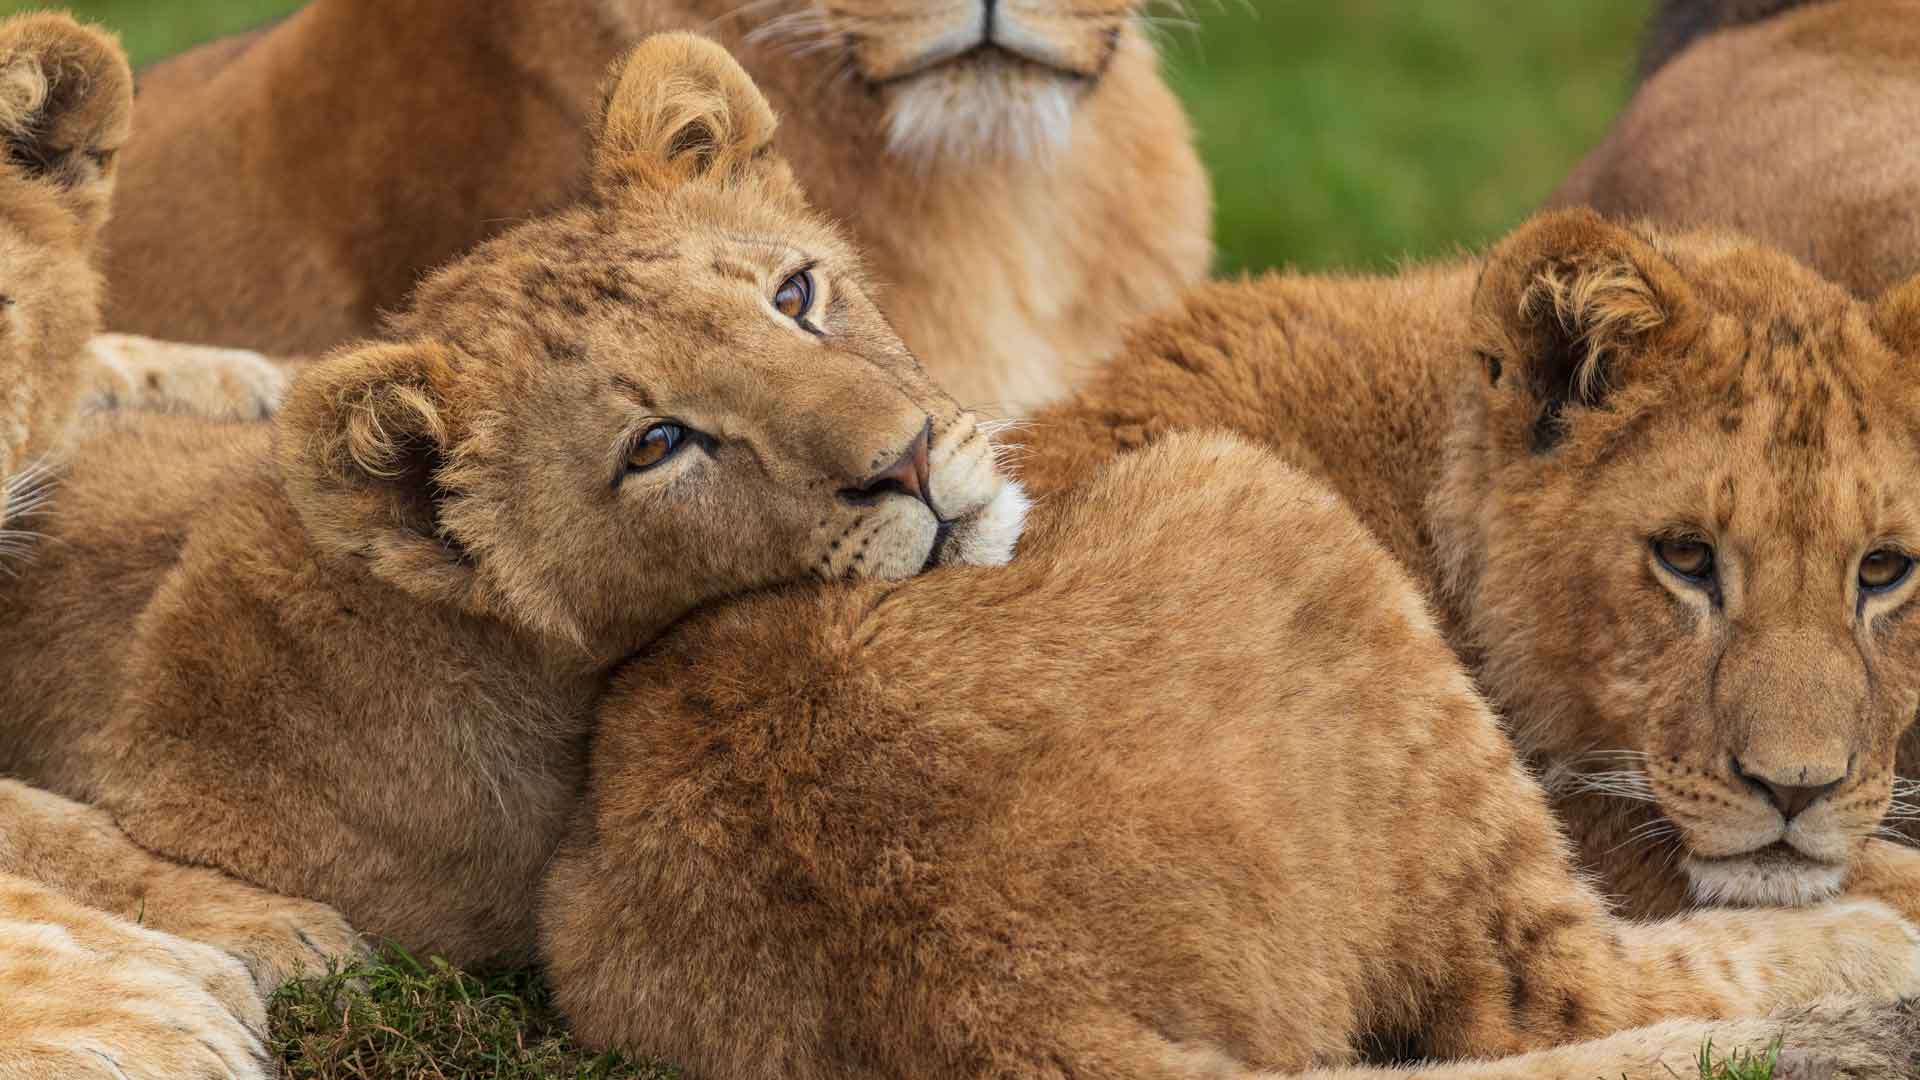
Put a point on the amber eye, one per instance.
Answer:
(1691, 559)
(655, 445)
(1883, 569)
(795, 296)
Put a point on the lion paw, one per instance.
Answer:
(278, 938)
(197, 380)
(93, 995)
(1865, 948)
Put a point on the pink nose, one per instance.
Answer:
(907, 475)
(1791, 800)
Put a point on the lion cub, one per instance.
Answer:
(66, 98)
(1659, 485)
(353, 656)
(1192, 789)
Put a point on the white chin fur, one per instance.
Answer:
(989, 537)
(1751, 883)
(981, 115)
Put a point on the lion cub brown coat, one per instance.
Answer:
(1522, 431)
(1193, 788)
(288, 185)
(352, 657)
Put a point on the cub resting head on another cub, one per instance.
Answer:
(354, 657)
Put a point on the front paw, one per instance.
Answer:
(92, 995)
(194, 380)
(278, 938)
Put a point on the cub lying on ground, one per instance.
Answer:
(87, 990)
(1020, 176)
(352, 657)
(1658, 486)
(1192, 789)
(1795, 128)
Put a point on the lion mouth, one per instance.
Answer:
(1778, 875)
(981, 55)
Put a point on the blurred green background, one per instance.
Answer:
(1340, 135)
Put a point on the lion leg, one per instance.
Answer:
(131, 372)
(92, 995)
(78, 852)
(1552, 966)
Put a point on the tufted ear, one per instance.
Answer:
(1566, 303)
(66, 101)
(1896, 316)
(680, 109)
(364, 441)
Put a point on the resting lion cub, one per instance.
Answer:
(66, 96)
(352, 657)
(1659, 486)
(1192, 789)
(1021, 177)
(87, 990)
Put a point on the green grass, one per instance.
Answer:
(1740, 1065)
(397, 1017)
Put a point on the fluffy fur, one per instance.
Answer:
(1520, 429)
(1793, 125)
(65, 98)
(1207, 796)
(352, 657)
(90, 992)
(1020, 176)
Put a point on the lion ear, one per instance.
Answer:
(1565, 306)
(1896, 315)
(66, 102)
(364, 444)
(680, 109)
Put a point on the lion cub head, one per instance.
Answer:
(65, 97)
(1690, 544)
(965, 77)
(678, 390)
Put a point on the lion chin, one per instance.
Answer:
(988, 106)
(1775, 876)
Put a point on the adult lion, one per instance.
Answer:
(352, 656)
(1789, 120)
(1019, 176)
(1658, 485)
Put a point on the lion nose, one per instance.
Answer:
(906, 476)
(1791, 799)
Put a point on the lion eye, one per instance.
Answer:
(1883, 569)
(794, 298)
(655, 445)
(1691, 559)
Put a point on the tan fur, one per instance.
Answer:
(287, 186)
(1797, 130)
(1518, 429)
(65, 99)
(351, 657)
(1204, 795)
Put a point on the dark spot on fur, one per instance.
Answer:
(1550, 429)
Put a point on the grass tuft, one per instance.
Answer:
(395, 1016)
(1740, 1065)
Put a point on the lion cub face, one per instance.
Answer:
(1698, 557)
(966, 77)
(675, 392)
(65, 96)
